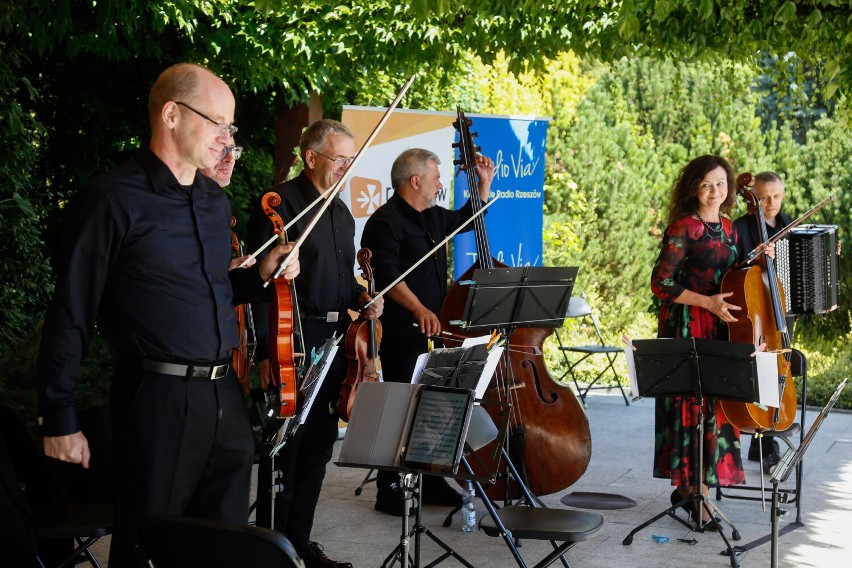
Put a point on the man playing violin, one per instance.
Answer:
(769, 188)
(399, 233)
(146, 255)
(326, 290)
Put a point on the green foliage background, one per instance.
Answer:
(75, 74)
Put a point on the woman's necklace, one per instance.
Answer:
(712, 230)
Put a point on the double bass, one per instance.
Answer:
(284, 332)
(546, 418)
(758, 292)
(362, 346)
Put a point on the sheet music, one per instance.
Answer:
(488, 369)
(631, 370)
(435, 434)
(767, 379)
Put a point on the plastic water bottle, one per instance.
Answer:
(469, 509)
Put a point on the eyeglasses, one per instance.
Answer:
(337, 161)
(237, 151)
(221, 128)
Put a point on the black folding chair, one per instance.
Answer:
(179, 542)
(580, 309)
(38, 508)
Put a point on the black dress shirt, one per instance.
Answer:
(398, 236)
(749, 232)
(326, 281)
(148, 260)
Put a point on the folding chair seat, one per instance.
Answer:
(176, 542)
(39, 505)
(563, 528)
(580, 309)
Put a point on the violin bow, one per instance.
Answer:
(783, 232)
(340, 183)
(276, 236)
(428, 254)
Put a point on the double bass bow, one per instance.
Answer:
(545, 417)
(284, 326)
(758, 292)
(362, 346)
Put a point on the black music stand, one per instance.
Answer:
(507, 298)
(695, 367)
(789, 461)
(530, 296)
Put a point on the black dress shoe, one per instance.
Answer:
(391, 500)
(436, 491)
(314, 557)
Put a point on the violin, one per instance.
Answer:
(759, 294)
(362, 346)
(545, 416)
(284, 326)
(243, 355)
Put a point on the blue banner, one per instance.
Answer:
(514, 224)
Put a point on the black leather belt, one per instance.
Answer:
(211, 372)
(329, 317)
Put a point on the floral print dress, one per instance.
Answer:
(694, 257)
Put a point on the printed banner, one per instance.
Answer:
(515, 223)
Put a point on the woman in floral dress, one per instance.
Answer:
(698, 247)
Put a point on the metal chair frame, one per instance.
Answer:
(579, 308)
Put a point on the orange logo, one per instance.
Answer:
(366, 195)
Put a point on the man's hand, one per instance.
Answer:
(375, 309)
(236, 262)
(428, 322)
(270, 263)
(73, 448)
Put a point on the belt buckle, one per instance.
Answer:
(219, 371)
(332, 317)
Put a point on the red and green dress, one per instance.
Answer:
(694, 257)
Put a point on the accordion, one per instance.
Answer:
(806, 263)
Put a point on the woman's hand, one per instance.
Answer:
(721, 308)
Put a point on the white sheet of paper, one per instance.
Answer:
(767, 379)
(631, 370)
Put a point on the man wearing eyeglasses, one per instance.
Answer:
(146, 257)
(223, 169)
(326, 290)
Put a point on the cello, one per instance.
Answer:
(243, 355)
(362, 346)
(759, 294)
(545, 416)
(284, 326)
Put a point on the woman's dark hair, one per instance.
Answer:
(684, 201)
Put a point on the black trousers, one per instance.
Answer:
(304, 458)
(182, 446)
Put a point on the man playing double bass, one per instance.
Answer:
(769, 188)
(325, 293)
(399, 233)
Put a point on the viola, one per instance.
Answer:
(362, 346)
(284, 330)
(243, 355)
(759, 294)
(545, 417)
